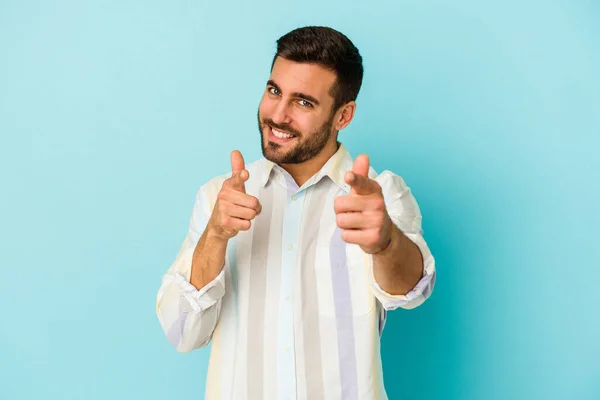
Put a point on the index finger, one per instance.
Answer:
(237, 161)
(361, 185)
(361, 165)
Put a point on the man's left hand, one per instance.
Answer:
(362, 215)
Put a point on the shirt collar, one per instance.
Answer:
(334, 168)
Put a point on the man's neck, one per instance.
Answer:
(304, 171)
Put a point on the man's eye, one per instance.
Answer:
(274, 91)
(305, 103)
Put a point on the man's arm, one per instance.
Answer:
(208, 259)
(233, 211)
(189, 299)
(189, 314)
(398, 267)
(389, 229)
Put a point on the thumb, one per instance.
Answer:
(239, 175)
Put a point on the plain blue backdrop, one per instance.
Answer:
(113, 113)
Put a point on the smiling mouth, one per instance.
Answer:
(280, 136)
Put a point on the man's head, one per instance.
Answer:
(316, 75)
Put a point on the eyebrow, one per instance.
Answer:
(296, 94)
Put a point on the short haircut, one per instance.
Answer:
(331, 49)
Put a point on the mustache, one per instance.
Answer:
(281, 127)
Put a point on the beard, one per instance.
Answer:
(303, 150)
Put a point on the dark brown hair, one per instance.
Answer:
(330, 49)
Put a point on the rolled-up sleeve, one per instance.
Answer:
(189, 316)
(406, 215)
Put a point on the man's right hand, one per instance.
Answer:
(234, 209)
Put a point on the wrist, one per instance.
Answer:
(390, 243)
(216, 235)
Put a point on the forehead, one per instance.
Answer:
(311, 79)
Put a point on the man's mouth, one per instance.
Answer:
(279, 136)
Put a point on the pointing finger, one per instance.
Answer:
(359, 179)
(361, 185)
(239, 175)
(361, 165)
(237, 161)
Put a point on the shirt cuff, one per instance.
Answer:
(206, 297)
(422, 289)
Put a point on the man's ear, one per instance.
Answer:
(344, 115)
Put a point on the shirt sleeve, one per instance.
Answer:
(406, 215)
(189, 316)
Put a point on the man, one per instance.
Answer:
(291, 262)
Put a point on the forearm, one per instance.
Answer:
(208, 259)
(399, 267)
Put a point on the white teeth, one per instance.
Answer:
(280, 134)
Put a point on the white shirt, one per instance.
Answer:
(296, 312)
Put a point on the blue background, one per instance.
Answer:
(113, 113)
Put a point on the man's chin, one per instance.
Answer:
(276, 156)
(273, 156)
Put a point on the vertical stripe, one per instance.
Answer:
(343, 311)
(240, 360)
(297, 308)
(286, 355)
(228, 322)
(332, 384)
(376, 371)
(175, 333)
(213, 377)
(365, 315)
(256, 300)
(366, 336)
(272, 296)
(309, 299)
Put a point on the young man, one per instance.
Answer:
(291, 262)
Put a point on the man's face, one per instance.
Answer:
(295, 115)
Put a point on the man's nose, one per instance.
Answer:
(281, 114)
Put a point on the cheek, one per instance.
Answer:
(265, 108)
(309, 124)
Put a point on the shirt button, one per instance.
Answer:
(294, 197)
(287, 298)
(286, 348)
(290, 247)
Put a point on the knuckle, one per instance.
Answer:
(379, 203)
(224, 207)
(345, 235)
(338, 203)
(245, 225)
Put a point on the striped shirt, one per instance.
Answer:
(296, 312)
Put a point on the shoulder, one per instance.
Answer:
(400, 202)
(390, 182)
